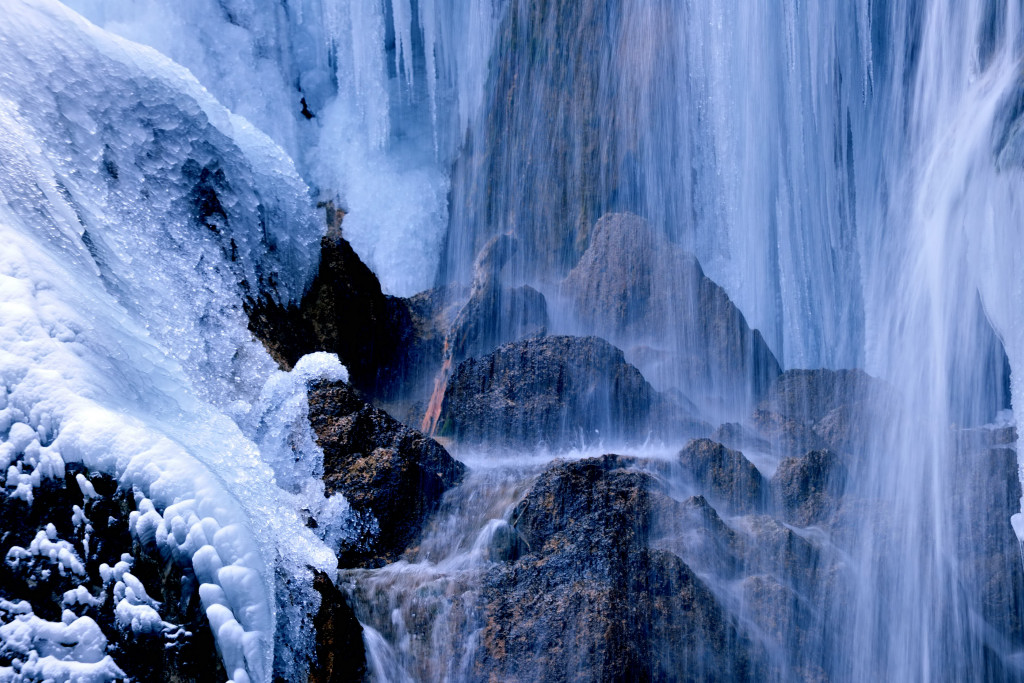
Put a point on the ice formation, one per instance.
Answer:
(136, 213)
(361, 125)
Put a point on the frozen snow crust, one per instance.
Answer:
(135, 214)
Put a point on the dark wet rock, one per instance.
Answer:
(495, 314)
(808, 488)
(770, 547)
(340, 653)
(724, 475)
(809, 395)
(986, 492)
(553, 391)
(344, 297)
(382, 467)
(843, 427)
(785, 435)
(778, 610)
(695, 532)
(590, 601)
(432, 314)
(632, 286)
(806, 410)
(739, 437)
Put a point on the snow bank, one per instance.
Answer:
(135, 215)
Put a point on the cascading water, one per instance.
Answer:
(848, 174)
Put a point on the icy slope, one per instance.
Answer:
(134, 214)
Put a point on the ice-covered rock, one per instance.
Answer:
(135, 212)
(371, 100)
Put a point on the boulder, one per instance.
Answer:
(382, 467)
(807, 489)
(635, 288)
(552, 391)
(590, 600)
(724, 475)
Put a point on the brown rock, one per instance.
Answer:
(590, 601)
(383, 468)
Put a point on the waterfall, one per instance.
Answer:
(840, 182)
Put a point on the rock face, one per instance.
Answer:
(552, 391)
(725, 475)
(633, 287)
(340, 654)
(344, 296)
(590, 600)
(383, 468)
(811, 395)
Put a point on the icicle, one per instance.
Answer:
(428, 24)
(401, 14)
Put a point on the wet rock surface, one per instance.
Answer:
(590, 601)
(344, 297)
(728, 478)
(340, 654)
(552, 391)
(633, 286)
(806, 410)
(494, 313)
(382, 467)
(808, 488)
(986, 493)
